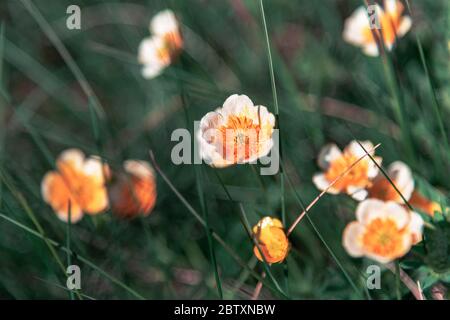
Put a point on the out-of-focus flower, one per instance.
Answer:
(334, 163)
(422, 203)
(79, 181)
(133, 192)
(392, 25)
(160, 49)
(239, 132)
(272, 240)
(401, 175)
(384, 231)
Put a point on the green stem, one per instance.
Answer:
(397, 281)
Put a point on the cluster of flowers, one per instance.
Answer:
(384, 230)
(88, 185)
(385, 227)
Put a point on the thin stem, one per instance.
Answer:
(277, 116)
(216, 236)
(407, 281)
(397, 281)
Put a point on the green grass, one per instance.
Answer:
(83, 89)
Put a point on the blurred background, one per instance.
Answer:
(328, 91)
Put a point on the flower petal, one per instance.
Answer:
(368, 210)
(164, 22)
(355, 25)
(402, 177)
(398, 213)
(351, 239)
(405, 26)
(357, 193)
(355, 148)
(328, 154)
(237, 105)
(322, 183)
(56, 193)
(416, 227)
(74, 158)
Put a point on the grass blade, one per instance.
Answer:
(277, 115)
(214, 234)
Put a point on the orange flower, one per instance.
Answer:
(239, 132)
(423, 204)
(134, 192)
(384, 231)
(392, 24)
(401, 175)
(160, 49)
(79, 181)
(334, 163)
(271, 239)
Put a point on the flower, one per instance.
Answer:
(334, 163)
(79, 181)
(134, 191)
(392, 25)
(384, 231)
(401, 175)
(160, 49)
(239, 132)
(271, 239)
(420, 202)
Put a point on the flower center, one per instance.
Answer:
(383, 190)
(171, 45)
(240, 138)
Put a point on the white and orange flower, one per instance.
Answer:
(78, 181)
(335, 163)
(160, 49)
(271, 239)
(238, 132)
(134, 191)
(384, 231)
(392, 25)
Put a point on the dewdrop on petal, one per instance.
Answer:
(271, 239)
